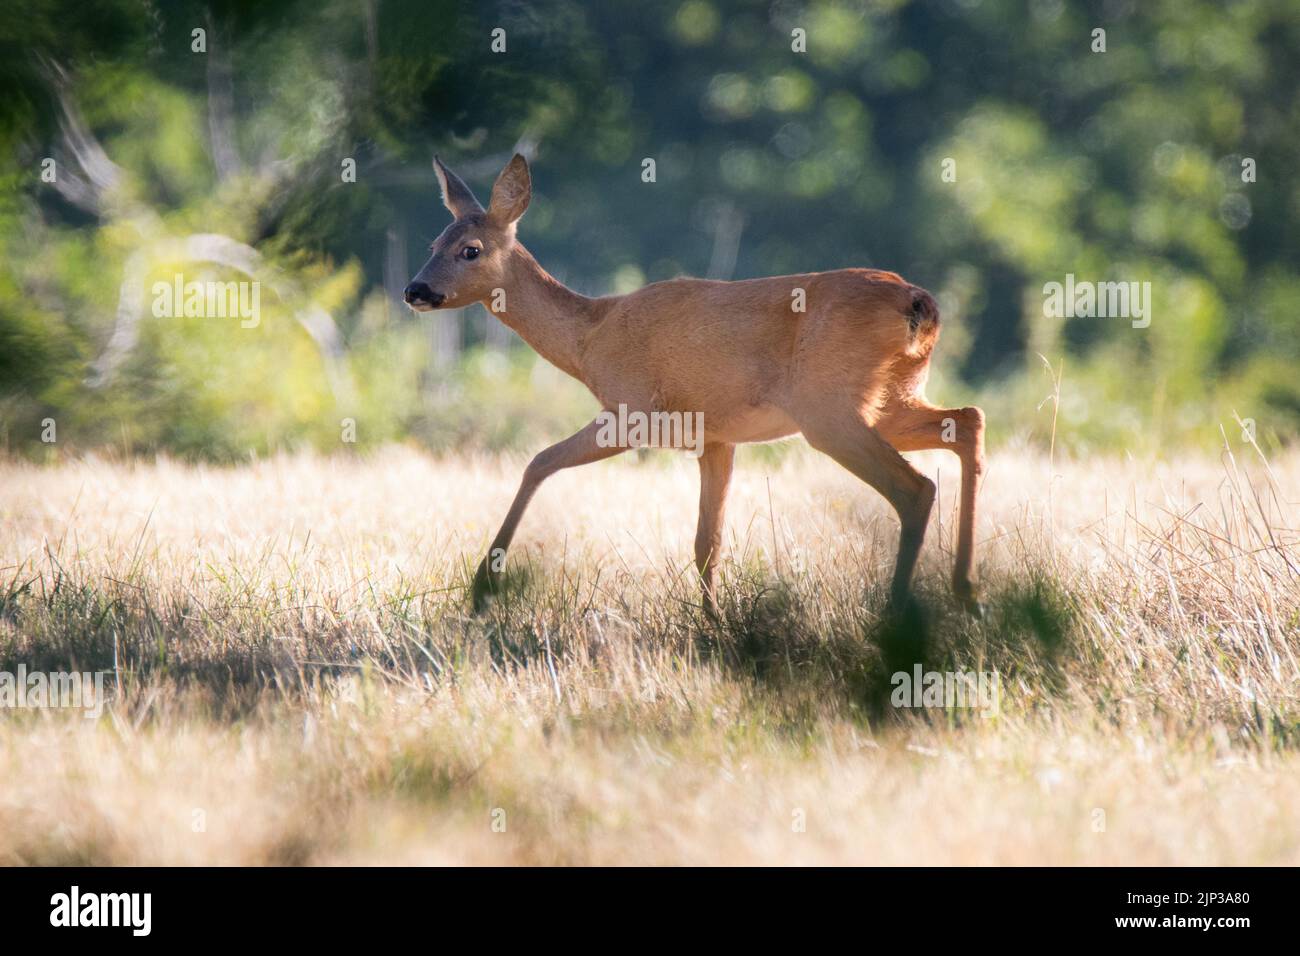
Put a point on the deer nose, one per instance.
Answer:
(420, 292)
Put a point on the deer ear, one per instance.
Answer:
(456, 196)
(511, 192)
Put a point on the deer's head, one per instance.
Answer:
(469, 259)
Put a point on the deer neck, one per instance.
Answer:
(546, 313)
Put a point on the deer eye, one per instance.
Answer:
(470, 252)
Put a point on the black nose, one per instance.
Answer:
(420, 292)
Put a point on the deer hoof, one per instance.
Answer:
(484, 588)
(969, 600)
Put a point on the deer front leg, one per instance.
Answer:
(580, 448)
(715, 477)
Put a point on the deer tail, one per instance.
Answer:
(922, 323)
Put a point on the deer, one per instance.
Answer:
(841, 357)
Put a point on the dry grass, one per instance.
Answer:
(296, 669)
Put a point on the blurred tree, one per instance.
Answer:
(981, 148)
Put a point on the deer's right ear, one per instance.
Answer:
(456, 196)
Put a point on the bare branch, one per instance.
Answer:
(231, 254)
(221, 106)
(100, 175)
(727, 229)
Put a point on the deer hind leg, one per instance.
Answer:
(580, 448)
(843, 434)
(916, 425)
(715, 476)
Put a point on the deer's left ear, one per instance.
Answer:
(511, 192)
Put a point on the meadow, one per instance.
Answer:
(295, 676)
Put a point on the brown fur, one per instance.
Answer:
(848, 373)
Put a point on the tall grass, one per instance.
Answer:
(297, 677)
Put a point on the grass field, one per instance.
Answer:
(296, 678)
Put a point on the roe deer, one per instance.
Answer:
(847, 370)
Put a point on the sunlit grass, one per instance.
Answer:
(298, 679)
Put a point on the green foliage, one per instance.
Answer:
(491, 401)
(1124, 165)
